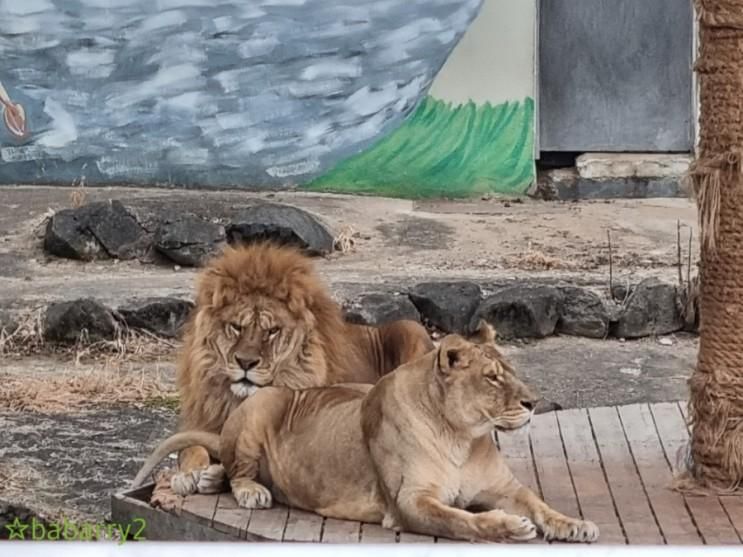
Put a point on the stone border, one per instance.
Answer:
(526, 309)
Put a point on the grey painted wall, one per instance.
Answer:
(615, 75)
(211, 92)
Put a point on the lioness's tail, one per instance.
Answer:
(177, 442)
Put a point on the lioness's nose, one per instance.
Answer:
(529, 404)
(247, 363)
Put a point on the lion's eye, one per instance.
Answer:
(273, 331)
(494, 379)
(235, 328)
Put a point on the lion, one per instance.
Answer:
(412, 452)
(263, 317)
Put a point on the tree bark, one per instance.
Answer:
(716, 387)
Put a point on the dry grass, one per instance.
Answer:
(130, 345)
(78, 390)
(78, 195)
(345, 241)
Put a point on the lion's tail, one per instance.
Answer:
(177, 442)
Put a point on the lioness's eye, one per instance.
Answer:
(273, 331)
(236, 328)
(492, 379)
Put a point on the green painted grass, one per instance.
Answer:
(445, 151)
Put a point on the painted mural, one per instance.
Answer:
(324, 94)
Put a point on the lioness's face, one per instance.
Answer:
(258, 340)
(481, 391)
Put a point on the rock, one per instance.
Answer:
(162, 316)
(583, 314)
(525, 311)
(67, 236)
(95, 231)
(448, 306)
(116, 229)
(67, 322)
(378, 308)
(189, 240)
(651, 309)
(283, 223)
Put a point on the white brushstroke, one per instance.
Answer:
(413, 31)
(18, 25)
(296, 169)
(234, 120)
(332, 69)
(174, 79)
(24, 7)
(283, 2)
(22, 153)
(257, 46)
(108, 4)
(132, 166)
(163, 20)
(63, 129)
(91, 63)
(323, 88)
(365, 102)
(188, 156)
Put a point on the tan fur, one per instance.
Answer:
(413, 451)
(265, 302)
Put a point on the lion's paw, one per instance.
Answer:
(570, 530)
(520, 528)
(185, 483)
(391, 522)
(211, 480)
(252, 495)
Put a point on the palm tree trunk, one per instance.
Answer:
(716, 404)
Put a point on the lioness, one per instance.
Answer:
(263, 317)
(413, 451)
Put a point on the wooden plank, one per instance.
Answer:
(200, 507)
(588, 477)
(624, 481)
(269, 523)
(161, 525)
(655, 472)
(733, 505)
(516, 449)
(303, 526)
(710, 517)
(229, 517)
(341, 531)
(552, 468)
(374, 533)
(410, 537)
(514, 446)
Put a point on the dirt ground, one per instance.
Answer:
(398, 242)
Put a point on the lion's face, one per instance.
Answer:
(259, 343)
(481, 391)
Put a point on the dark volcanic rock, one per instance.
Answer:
(651, 309)
(378, 308)
(67, 236)
(521, 311)
(116, 229)
(583, 314)
(189, 241)
(95, 231)
(283, 223)
(162, 316)
(66, 322)
(448, 306)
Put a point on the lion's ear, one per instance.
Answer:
(484, 334)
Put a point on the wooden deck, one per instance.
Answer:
(611, 465)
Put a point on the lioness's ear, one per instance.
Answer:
(450, 354)
(484, 334)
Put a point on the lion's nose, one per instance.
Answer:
(529, 404)
(247, 363)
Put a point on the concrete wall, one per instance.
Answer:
(326, 94)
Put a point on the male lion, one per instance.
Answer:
(263, 317)
(413, 451)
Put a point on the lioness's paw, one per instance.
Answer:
(570, 530)
(252, 496)
(211, 480)
(184, 483)
(520, 528)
